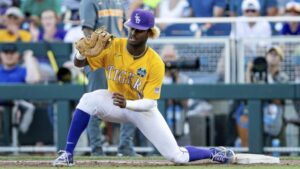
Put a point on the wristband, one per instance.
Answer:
(79, 56)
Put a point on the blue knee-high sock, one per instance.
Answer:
(78, 124)
(198, 153)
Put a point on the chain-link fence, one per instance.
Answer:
(249, 49)
(213, 55)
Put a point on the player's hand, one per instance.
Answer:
(119, 100)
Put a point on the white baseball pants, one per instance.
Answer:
(151, 124)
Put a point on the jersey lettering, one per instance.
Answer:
(124, 77)
(109, 68)
(116, 74)
(130, 76)
(137, 84)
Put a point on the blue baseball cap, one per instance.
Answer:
(141, 19)
(9, 47)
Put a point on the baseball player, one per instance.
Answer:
(135, 73)
(111, 14)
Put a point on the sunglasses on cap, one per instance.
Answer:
(14, 17)
(9, 51)
(9, 48)
(250, 11)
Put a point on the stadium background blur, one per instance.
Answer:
(206, 32)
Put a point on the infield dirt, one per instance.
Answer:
(119, 163)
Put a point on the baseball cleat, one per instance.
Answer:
(222, 155)
(64, 159)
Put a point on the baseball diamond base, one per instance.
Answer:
(255, 159)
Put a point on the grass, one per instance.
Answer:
(170, 167)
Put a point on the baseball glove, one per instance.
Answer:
(94, 45)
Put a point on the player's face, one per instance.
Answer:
(137, 37)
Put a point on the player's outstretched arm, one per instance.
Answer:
(136, 105)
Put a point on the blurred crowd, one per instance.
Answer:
(59, 21)
(52, 20)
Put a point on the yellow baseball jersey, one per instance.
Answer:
(134, 78)
(5, 36)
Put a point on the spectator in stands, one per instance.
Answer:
(12, 32)
(244, 29)
(268, 7)
(50, 31)
(12, 72)
(10, 59)
(269, 71)
(292, 28)
(274, 58)
(36, 7)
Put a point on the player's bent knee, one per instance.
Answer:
(88, 103)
